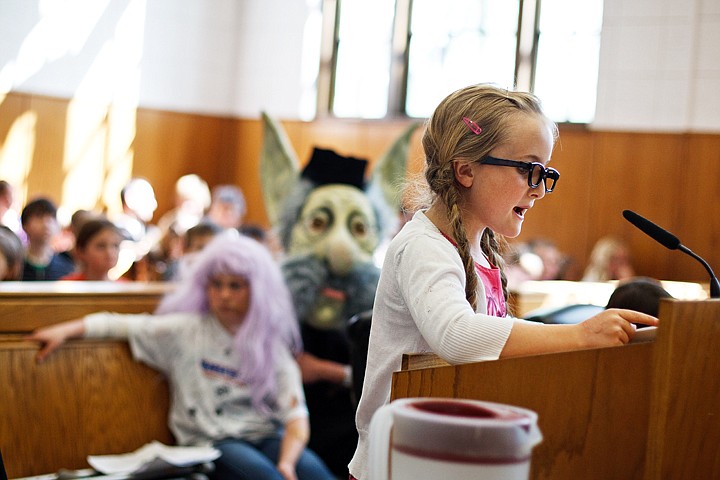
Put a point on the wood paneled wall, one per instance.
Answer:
(669, 178)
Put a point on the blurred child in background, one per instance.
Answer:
(11, 254)
(226, 340)
(97, 247)
(39, 221)
(609, 260)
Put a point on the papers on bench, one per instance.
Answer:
(153, 457)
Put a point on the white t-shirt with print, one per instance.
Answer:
(196, 354)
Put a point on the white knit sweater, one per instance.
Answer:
(420, 306)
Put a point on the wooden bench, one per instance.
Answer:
(25, 306)
(88, 398)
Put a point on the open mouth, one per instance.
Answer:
(520, 211)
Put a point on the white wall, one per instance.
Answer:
(234, 57)
(189, 55)
(221, 57)
(659, 67)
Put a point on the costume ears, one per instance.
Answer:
(280, 169)
(388, 174)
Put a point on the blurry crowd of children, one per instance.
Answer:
(541, 259)
(129, 246)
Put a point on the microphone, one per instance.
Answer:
(670, 241)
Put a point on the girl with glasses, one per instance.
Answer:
(442, 288)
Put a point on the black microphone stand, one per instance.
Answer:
(670, 241)
(714, 284)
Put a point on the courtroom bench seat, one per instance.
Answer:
(88, 398)
(25, 306)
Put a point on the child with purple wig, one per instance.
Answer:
(226, 340)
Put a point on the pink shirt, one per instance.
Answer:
(494, 296)
(492, 281)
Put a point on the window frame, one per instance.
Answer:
(526, 53)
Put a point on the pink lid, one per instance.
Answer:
(464, 430)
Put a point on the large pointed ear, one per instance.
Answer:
(390, 170)
(279, 167)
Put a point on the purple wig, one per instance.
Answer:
(270, 316)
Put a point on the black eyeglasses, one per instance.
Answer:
(536, 171)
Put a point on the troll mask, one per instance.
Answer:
(330, 220)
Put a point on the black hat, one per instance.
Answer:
(326, 166)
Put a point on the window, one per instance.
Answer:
(401, 58)
(566, 69)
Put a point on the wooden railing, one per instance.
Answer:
(25, 306)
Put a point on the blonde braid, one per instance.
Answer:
(440, 177)
(463, 245)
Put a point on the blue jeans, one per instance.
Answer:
(243, 460)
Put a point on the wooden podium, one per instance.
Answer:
(641, 411)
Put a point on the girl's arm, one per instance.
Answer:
(297, 433)
(95, 325)
(54, 336)
(608, 328)
(316, 369)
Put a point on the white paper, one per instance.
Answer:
(646, 334)
(154, 456)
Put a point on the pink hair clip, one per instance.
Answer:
(472, 126)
